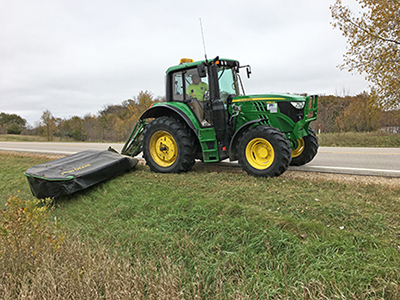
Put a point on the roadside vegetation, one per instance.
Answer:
(360, 139)
(21, 138)
(336, 115)
(213, 233)
(342, 139)
(342, 121)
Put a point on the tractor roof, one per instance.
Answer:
(191, 64)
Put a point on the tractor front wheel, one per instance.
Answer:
(264, 151)
(168, 146)
(306, 149)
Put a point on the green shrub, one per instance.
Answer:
(14, 129)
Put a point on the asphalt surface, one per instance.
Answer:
(355, 161)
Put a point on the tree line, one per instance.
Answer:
(358, 113)
(114, 122)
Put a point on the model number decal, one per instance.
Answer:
(76, 169)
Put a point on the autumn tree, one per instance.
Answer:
(360, 115)
(91, 127)
(48, 124)
(73, 128)
(349, 113)
(329, 109)
(373, 36)
(140, 103)
(390, 121)
(136, 106)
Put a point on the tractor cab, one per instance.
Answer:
(199, 84)
(221, 73)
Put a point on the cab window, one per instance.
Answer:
(180, 81)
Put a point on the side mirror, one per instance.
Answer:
(248, 70)
(201, 70)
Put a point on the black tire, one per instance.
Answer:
(264, 151)
(307, 148)
(168, 146)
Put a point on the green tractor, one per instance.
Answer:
(208, 117)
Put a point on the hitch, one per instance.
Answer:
(133, 145)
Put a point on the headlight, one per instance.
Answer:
(298, 105)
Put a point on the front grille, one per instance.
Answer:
(293, 113)
(260, 106)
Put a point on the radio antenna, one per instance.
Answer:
(204, 42)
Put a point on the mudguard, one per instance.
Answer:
(235, 138)
(178, 110)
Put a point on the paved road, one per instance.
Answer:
(357, 161)
(56, 148)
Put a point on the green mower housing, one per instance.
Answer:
(266, 133)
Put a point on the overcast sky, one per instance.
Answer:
(74, 57)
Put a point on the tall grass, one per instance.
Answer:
(32, 138)
(37, 262)
(360, 139)
(21, 138)
(216, 233)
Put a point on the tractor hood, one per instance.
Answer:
(270, 97)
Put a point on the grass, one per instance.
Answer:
(360, 139)
(217, 233)
(21, 138)
(31, 138)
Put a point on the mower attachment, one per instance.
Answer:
(76, 172)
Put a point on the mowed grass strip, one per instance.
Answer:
(230, 235)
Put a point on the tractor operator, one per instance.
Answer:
(196, 90)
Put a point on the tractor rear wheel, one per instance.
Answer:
(168, 146)
(307, 148)
(264, 151)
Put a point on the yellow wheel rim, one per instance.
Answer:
(163, 148)
(260, 154)
(299, 149)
